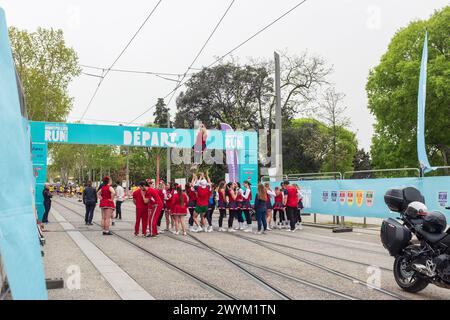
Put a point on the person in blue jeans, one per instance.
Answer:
(261, 208)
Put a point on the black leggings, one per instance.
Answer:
(231, 214)
(160, 218)
(291, 213)
(223, 213)
(191, 218)
(209, 214)
(299, 215)
(248, 216)
(238, 213)
(119, 209)
(281, 213)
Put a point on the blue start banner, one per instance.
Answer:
(76, 133)
(365, 197)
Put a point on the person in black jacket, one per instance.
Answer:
(90, 201)
(47, 202)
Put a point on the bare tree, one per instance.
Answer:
(331, 111)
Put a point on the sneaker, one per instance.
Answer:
(288, 230)
(136, 235)
(269, 229)
(108, 233)
(300, 226)
(161, 231)
(231, 230)
(259, 232)
(206, 229)
(242, 227)
(222, 229)
(177, 233)
(184, 233)
(249, 229)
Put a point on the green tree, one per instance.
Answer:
(308, 147)
(243, 95)
(45, 66)
(332, 113)
(161, 113)
(392, 92)
(361, 162)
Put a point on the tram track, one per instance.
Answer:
(267, 246)
(202, 282)
(202, 246)
(281, 245)
(235, 261)
(324, 268)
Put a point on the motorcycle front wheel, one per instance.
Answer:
(407, 278)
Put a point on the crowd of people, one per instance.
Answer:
(192, 208)
(198, 200)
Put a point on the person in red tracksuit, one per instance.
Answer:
(155, 206)
(141, 209)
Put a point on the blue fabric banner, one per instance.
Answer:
(365, 197)
(19, 242)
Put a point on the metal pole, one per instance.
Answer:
(168, 149)
(128, 170)
(279, 148)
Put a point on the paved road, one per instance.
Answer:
(312, 263)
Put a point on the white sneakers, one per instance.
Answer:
(248, 229)
(222, 229)
(299, 226)
(210, 229)
(269, 229)
(231, 230)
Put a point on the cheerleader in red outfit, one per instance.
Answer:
(106, 195)
(278, 207)
(179, 209)
(169, 194)
(239, 202)
(222, 204)
(192, 195)
(270, 197)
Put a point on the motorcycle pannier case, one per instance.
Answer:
(394, 236)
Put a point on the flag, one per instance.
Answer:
(231, 156)
(421, 150)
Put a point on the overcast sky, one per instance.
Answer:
(350, 34)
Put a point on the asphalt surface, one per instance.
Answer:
(312, 263)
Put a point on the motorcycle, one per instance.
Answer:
(425, 259)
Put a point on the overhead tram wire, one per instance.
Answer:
(234, 49)
(131, 71)
(118, 57)
(192, 63)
